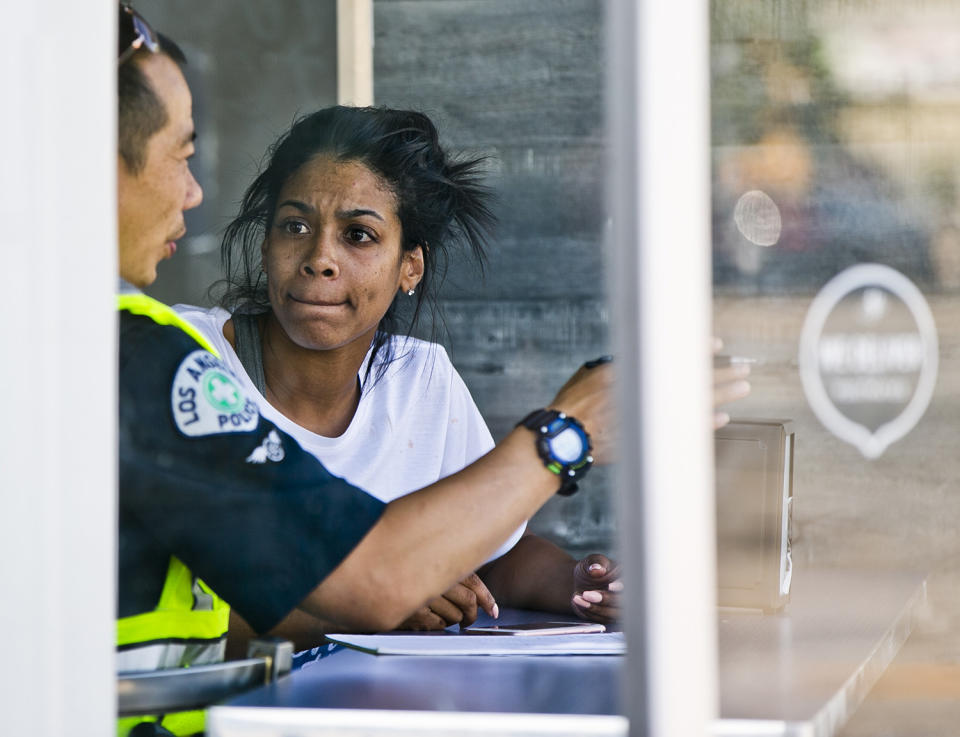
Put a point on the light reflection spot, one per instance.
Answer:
(758, 218)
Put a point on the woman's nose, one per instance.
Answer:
(321, 260)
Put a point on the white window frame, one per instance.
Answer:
(58, 439)
(660, 255)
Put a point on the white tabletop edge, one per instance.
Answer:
(239, 721)
(838, 710)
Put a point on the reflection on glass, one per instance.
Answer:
(844, 116)
(757, 218)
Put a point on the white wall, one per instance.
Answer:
(57, 435)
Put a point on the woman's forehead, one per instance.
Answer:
(330, 172)
(329, 178)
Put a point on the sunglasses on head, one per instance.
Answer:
(135, 33)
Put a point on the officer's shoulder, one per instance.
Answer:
(142, 334)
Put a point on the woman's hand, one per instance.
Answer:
(458, 605)
(596, 589)
(588, 397)
(729, 384)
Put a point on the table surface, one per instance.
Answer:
(800, 672)
(806, 670)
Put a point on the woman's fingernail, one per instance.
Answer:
(595, 567)
(580, 601)
(595, 596)
(616, 586)
(496, 612)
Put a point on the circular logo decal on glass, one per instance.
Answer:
(221, 391)
(868, 356)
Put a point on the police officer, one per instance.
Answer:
(217, 505)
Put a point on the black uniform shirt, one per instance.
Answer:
(205, 478)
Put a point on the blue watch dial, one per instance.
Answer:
(567, 446)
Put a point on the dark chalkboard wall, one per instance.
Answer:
(521, 82)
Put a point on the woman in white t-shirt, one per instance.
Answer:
(336, 252)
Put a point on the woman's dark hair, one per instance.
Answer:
(442, 203)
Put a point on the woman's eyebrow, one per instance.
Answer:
(347, 214)
(297, 205)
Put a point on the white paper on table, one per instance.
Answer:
(603, 643)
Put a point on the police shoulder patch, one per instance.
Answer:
(206, 399)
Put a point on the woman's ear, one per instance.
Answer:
(411, 269)
(263, 255)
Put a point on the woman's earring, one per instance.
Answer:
(410, 292)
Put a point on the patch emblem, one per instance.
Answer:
(271, 449)
(206, 399)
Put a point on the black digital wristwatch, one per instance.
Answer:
(562, 444)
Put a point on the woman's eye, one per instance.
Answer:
(294, 227)
(359, 235)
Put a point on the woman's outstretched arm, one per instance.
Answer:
(428, 540)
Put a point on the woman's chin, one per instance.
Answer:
(318, 335)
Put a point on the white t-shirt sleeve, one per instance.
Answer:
(468, 438)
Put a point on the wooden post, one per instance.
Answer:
(355, 52)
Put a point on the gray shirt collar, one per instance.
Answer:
(125, 287)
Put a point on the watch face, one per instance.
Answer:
(567, 446)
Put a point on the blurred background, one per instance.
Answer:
(835, 141)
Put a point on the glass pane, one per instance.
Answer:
(836, 265)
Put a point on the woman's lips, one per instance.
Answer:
(317, 302)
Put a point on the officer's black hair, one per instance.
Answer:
(442, 204)
(140, 113)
